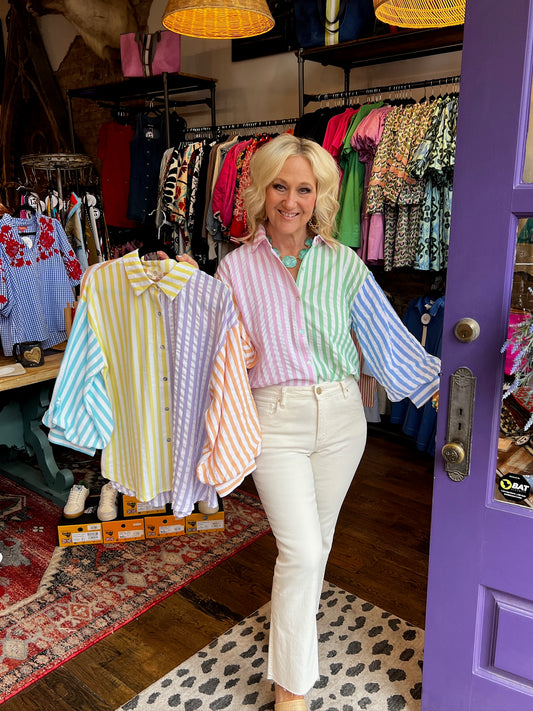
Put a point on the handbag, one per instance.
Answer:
(327, 22)
(144, 54)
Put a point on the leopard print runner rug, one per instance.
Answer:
(369, 659)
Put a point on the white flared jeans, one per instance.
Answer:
(313, 439)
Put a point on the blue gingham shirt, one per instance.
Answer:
(37, 275)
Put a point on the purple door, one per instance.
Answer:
(479, 624)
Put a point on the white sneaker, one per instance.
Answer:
(204, 508)
(107, 508)
(75, 505)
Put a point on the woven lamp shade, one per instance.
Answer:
(420, 13)
(218, 19)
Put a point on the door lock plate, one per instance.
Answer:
(456, 451)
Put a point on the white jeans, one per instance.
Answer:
(312, 441)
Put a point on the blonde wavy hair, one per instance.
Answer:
(266, 165)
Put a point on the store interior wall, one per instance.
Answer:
(252, 90)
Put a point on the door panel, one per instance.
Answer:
(479, 624)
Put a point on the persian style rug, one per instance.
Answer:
(369, 659)
(55, 602)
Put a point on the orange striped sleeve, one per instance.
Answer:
(233, 438)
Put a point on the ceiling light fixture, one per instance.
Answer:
(420, 13)
(218, 19)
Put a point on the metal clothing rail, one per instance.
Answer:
(217, 131)
(161, 88)
(222, 128)
(390, 89)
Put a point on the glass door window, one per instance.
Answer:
(514, 474)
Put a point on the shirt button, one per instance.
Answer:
(168, 439)
(167, 409)
(165, 379)
(162, 348)
(318, 391)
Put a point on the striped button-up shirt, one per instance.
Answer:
(154, 375)
(301, 330)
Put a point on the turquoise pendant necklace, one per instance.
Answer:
(289, 260)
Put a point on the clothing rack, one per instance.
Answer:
(222, 128)
(218, 130)
(161, 88)
(57, 163)
(390, 89)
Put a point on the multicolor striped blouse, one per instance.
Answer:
(301, 330)
(154, 375)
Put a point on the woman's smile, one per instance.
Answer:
(289, 204)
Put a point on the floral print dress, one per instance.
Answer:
(433, 164)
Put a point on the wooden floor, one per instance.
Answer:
(380, 553)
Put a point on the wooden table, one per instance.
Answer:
(24, 399)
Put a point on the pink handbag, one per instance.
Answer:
(147, 54)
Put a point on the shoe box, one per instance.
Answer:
(133, 507)
(163, 526)
(87, 528)
(123, 530)
(82, 530)
(196, 522)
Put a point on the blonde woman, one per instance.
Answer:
(301, 295)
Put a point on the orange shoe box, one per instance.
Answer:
(163, 526)
(197, 522)
(133, 507)
(123, 531)
(79, 534)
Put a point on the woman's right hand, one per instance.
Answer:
(180, 257)
(187, 259)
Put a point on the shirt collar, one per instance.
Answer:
(424, 301)
(175, 275)
(261, 236)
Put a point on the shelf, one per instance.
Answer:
(144, 87)
(387, 48)
(161, 87)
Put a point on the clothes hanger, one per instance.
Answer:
(121, 115)
(154, 242)
(150, 246)
(26, 207)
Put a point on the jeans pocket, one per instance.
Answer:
(266, 406)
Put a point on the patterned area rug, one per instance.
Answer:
(28, 537)
(69, 598)
(369, 659)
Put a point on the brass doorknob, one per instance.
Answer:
(453, 452)
(466, 330)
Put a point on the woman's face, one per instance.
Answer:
(290, 199)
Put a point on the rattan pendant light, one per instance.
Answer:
(218, 19)
(420, 13)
